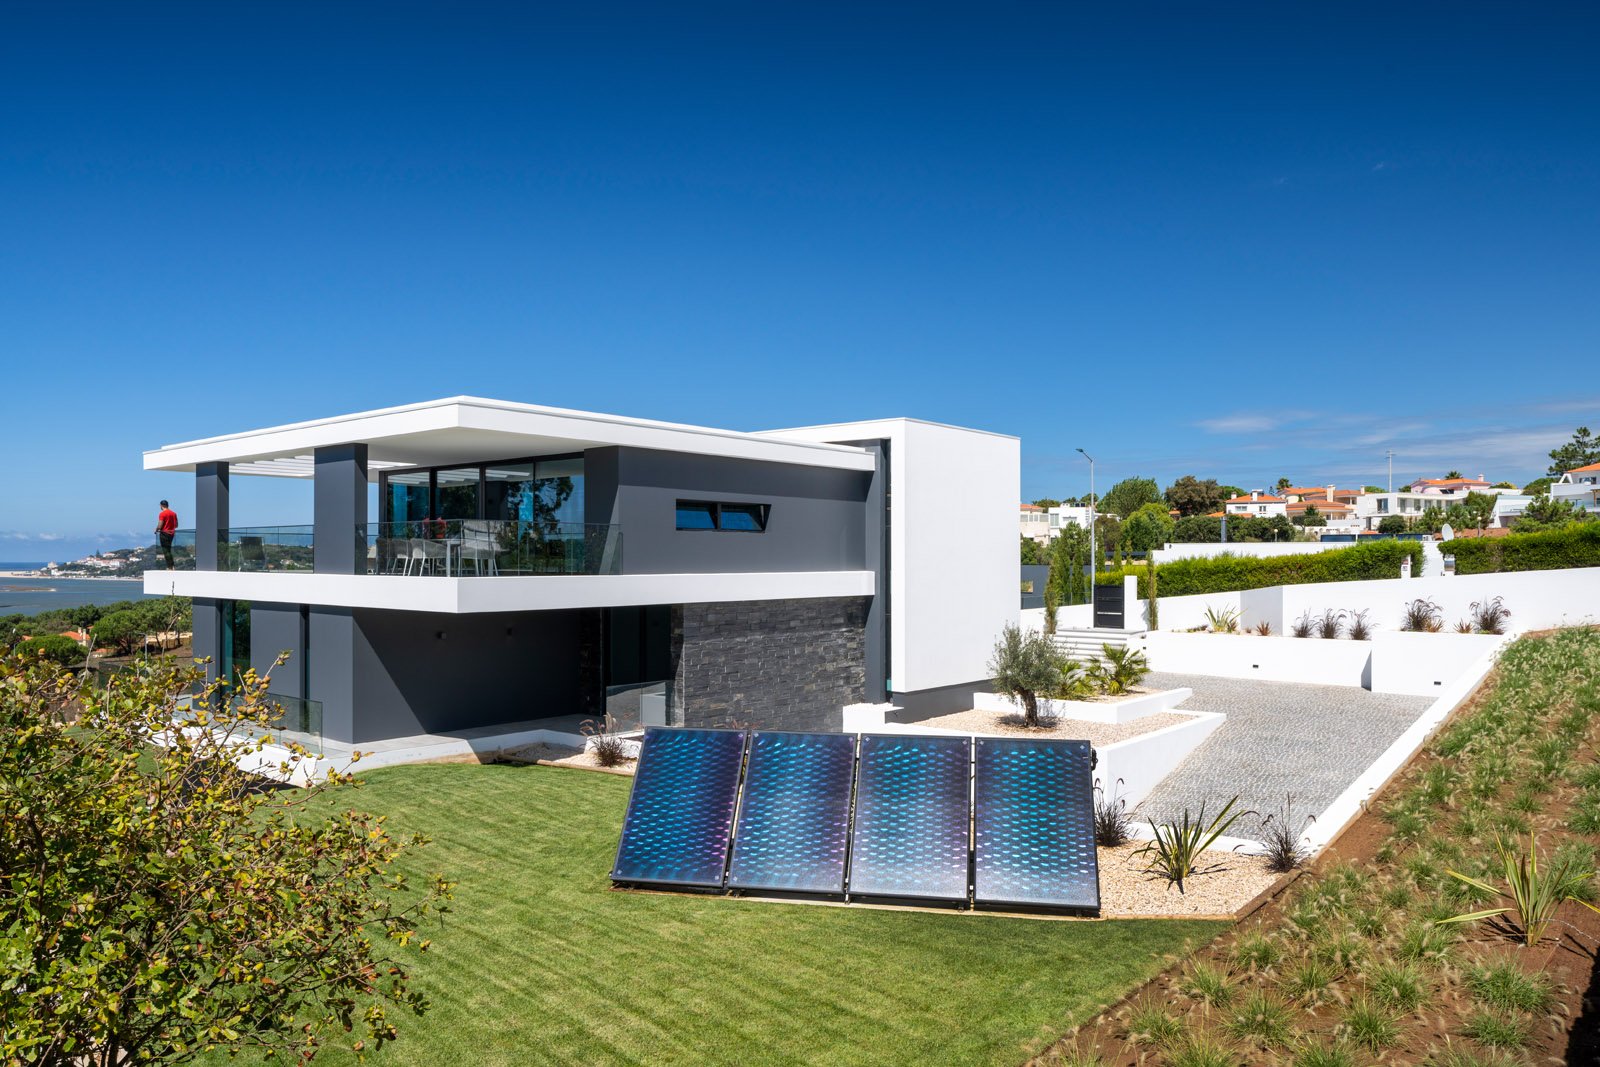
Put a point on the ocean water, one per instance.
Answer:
(29, 596)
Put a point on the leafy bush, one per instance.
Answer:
(1577, 545)
(1226, 573)
(60, 650)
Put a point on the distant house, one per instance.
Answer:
(1449, 487)
(1262, 505)
(1035, 523)
(1581, 486)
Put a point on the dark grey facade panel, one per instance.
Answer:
(331, 641)
(925, 703)
(207, 641)
(418, 672)
(774, 665)
(817, 519)
(275, 629)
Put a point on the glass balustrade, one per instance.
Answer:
(492, 548)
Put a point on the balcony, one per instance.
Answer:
(450, 548)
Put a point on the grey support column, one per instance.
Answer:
(207, 641)
(210, 512)
(877, 560)
(340, 510)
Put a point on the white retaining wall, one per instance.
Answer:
(1538, 600)
(1141, 762)
(1252, 549)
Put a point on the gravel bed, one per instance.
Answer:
(1005, 723)
(1125, 888)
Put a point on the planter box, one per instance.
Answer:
(1113, 711)
(1273, 659)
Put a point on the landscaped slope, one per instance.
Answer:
(1353, 965)
(541, 962)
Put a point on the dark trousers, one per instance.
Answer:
(166, 550)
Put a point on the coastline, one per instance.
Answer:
(71, 577)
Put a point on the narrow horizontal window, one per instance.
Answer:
(696, 515)
(743, 518)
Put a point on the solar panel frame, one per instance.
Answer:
(679, 821)
(792, 834)
(911, 835)
(1033, 824)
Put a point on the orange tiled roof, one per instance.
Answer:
(1327, 506)
(1247, 499)
(1031, 507)
(1587, 468)
(1449, 481)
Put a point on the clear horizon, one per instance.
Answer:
(1245, 243)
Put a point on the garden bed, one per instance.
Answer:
(1010, 724)
(1127, 889)
(549, 755)
(1349, 966)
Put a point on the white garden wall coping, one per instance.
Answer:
(1114, 712)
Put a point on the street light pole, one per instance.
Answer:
(1391, 470)
(1093, 561)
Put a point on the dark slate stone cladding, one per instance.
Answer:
(774, 664)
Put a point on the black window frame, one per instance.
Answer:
(760, 511)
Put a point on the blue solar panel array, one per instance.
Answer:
(681, 812)
(1033, 824)
(794, 813)
(912, 817)
(999, 822)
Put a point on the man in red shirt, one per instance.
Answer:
(166, 526)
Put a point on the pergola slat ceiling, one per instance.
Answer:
(299, 467)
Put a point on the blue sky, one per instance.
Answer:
(1237, 240)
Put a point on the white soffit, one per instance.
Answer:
(472, 430)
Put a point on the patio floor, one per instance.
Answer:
(1279, 738)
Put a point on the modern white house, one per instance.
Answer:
(530, 563)
(1044, 525)
(1262, 505)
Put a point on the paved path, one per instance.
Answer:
(1280, 738)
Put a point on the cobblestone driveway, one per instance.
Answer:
(1279, 737)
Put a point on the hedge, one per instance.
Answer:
(1577, 545)
(1228, 573)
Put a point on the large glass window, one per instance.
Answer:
(408, 497)
(547, 493)
(458, 493)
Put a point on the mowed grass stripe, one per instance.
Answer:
(541, 962)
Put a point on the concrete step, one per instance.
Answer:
(1085, 645)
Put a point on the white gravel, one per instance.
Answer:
(1126, 889)
(1010, 724)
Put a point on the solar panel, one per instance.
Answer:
(794, 813)
(912, 817)
(1033, 824)
(681, 809)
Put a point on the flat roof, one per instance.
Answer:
(468, 429)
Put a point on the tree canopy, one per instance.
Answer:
(1129, 495)
(160, 902)
(1147, 528)
(1191, 496)
(1582, 450)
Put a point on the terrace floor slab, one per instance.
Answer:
(1279, 739)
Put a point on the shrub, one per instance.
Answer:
(60, 650)
(1577, 545)
(1023, 666)
(1223, 620)
(1225, 573)
(122, 630)
(1121, 670)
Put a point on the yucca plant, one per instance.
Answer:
(1535, 894)
(1222, 620)
(1263, 628)
(1175, 853)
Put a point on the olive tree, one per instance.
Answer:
(1025, 664)
(157, 902)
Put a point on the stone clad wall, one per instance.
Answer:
(777, 664)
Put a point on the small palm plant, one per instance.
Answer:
(1535, 894)
(1175, 853)
(1122, 669)
(1023, 666)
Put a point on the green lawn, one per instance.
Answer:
(540, 962)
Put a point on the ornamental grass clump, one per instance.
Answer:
(1422, 616)
(1113, 823)
(1284, 838)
